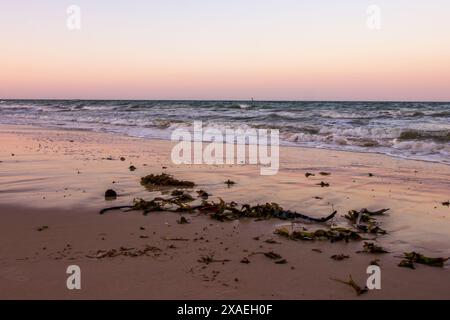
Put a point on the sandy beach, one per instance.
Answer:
(52, 186)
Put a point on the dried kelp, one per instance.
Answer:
(364, 215)
(221, 211)
(323, 184)
(128, 252)
(409, 258)
(226, 211)
(164, 180)
(245, 260)
(364, 220)
(177, 193)
(332, 234)
(184, 197)
(230, 183)
(203, 194)
(210, 259)
(183, 220)
(272, 256)
(339, 257)
(359, 291)
(281, 261)
(371, 228)
(370, 247)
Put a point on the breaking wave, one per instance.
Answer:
(409, 130)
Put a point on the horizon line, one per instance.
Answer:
(222, 100)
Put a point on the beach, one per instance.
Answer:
(53, 184)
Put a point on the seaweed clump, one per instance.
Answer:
(364, 220)
(221, 211)
(370, 247)
(333, 234)
(410, 258)
(164, 180)
(228, 211)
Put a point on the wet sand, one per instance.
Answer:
(57, 179)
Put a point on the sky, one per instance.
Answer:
(225, 50)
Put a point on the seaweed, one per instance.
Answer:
(122, 251)
(221, 211)
(447, 203)
(364, 220)
(245, 260)
(364, 215)
(333, 234)
(183, 220)
(323, 184)
(42, 228)
(229, 183)
(359, 291)
(203, 194)
(324, 173)
(309, 174)
(409, 258)
(132, 168)
(210, 259)
(339, 257)
(164, 180)
(370, 247)
(407, 264)
(177, 193)
(282, 261)
(184, 197)
(272, 256)
(175, 239)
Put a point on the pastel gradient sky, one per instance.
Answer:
(233, 49)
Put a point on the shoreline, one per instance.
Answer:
(284, 145)
(57, 178)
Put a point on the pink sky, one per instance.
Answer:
(279, 50)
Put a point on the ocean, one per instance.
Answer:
(412, 130)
